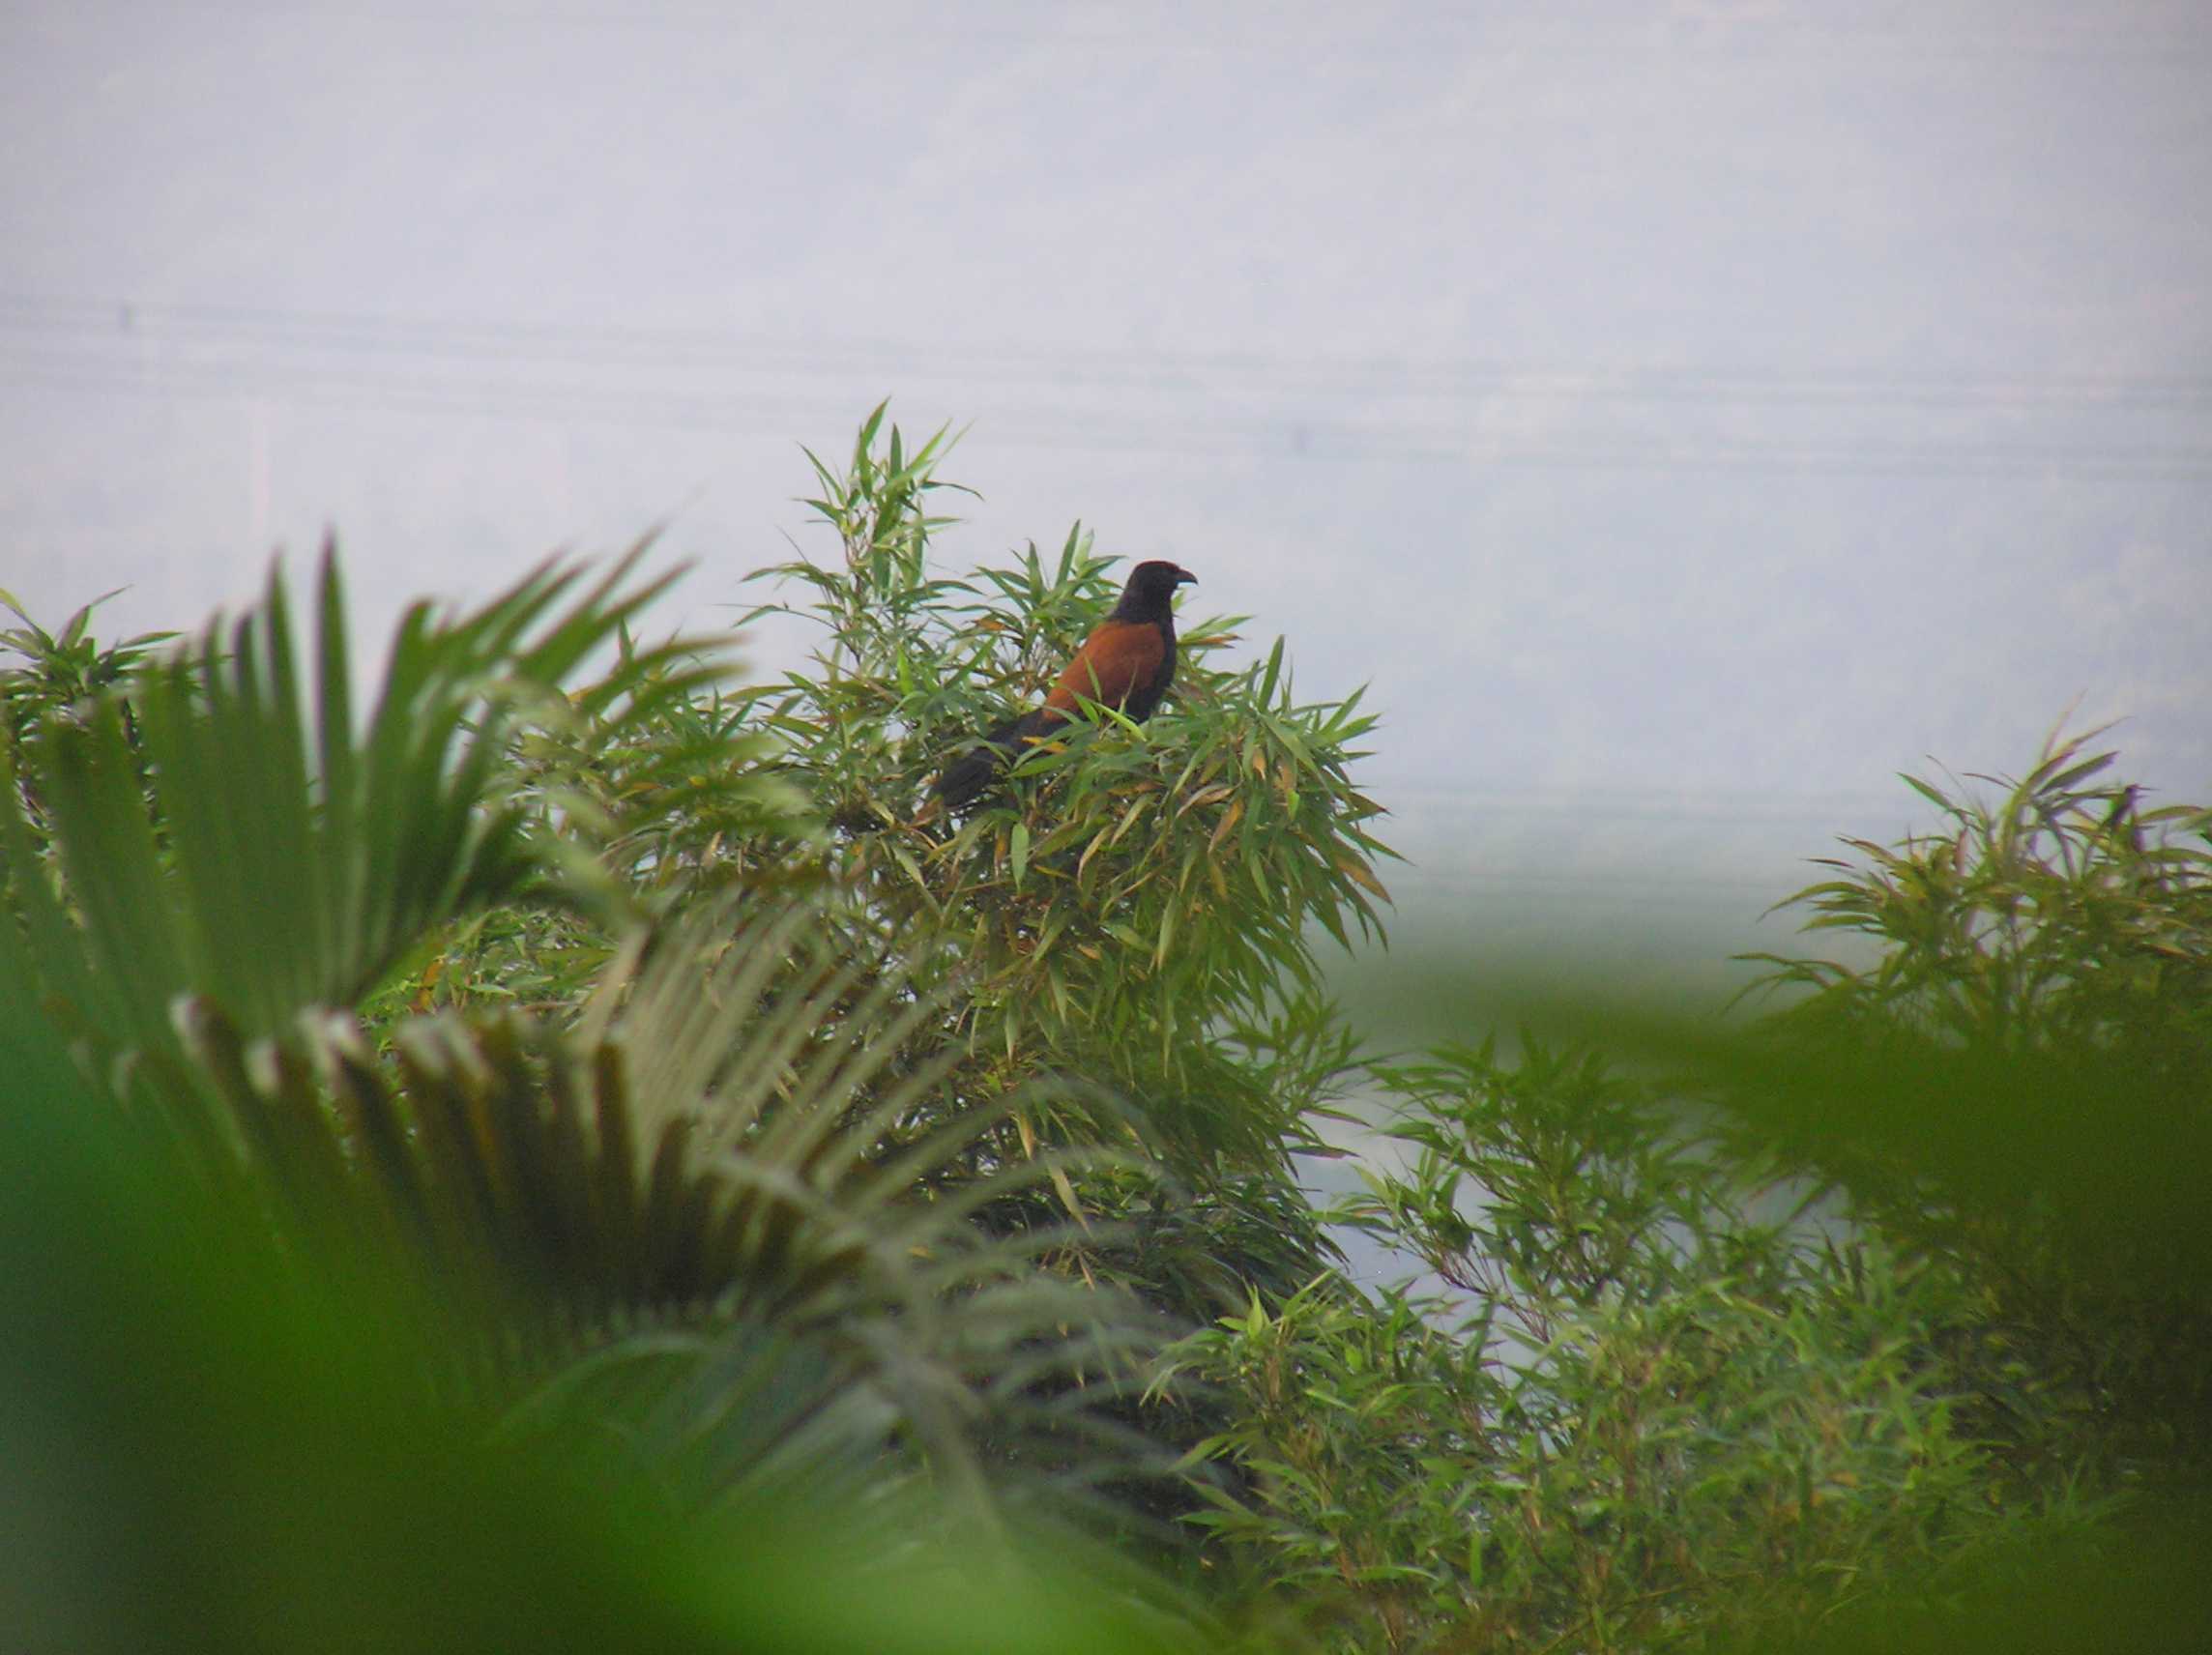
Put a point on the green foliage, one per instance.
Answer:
(725, 1219)
(651, 767)
(630, 1163)
(1647, 1422)
(61, 672)
(218, 1437)
(64, 677)
(294, 859)
(2060, 916)
(1584, 1188)
(1135, 894)
(732, 1162)
(2022, 1079)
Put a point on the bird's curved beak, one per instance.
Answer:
(1183, 577)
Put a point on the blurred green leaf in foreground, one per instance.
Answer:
(579, 1156)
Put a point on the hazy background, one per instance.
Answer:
(1683, 416)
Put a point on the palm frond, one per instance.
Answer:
(735, 1218)
(297, 857)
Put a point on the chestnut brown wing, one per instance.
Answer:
(1119, 660)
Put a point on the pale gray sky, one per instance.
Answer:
(1677, 412)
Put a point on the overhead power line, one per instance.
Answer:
(1132, 33)
(696, 380)
(1285, 439)
(482, 341)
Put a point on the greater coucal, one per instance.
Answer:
(1127, 663)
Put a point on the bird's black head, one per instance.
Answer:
(1151, 587)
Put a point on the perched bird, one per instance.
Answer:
(1127, 663)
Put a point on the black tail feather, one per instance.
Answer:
(970, 776)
